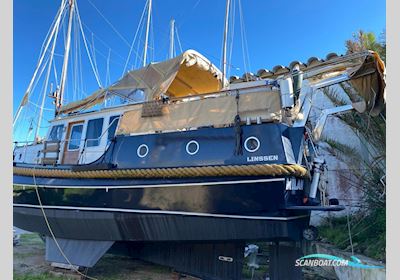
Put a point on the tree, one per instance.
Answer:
(367, 41)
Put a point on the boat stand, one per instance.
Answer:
(204, 260)
(215, 261)
(282, 258)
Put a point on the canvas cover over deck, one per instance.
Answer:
(215, 111)
(367, 80)
(190, 73)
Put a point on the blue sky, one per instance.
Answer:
(277, 32)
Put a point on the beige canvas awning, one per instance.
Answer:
(369, 82)
(212, 111)
(187, 74)
(367, 79)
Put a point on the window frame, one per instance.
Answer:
(116, 126)
(96, 140)
(70, 137)
(51, 130)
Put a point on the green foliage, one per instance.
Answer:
(367, 166)
(362, 41)
(368, 233)
(43, 276)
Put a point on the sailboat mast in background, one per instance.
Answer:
(147, 34)
(224, 48)
(171, 38)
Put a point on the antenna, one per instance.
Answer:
(225, 41)
(147, 34)
(171, 38)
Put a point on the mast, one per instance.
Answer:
(171, 38)
(60, 96)
(147, 34)
(225, 41)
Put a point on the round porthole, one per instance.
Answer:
(252, 144)
(142, 150)
(192, 147)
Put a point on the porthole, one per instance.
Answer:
(252, 144)
(192, 147)
(142, 150)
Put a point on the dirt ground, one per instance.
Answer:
(30, 264)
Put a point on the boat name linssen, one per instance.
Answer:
(262, 158)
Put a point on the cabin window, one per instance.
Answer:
(142, 150)
(113, 122)
(192, 147)
(93, 132)
(56, 133)
(76, 136)
(252, 144)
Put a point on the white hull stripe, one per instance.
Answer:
(160, 185)
(161, 212)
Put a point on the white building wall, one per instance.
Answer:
(338, 178)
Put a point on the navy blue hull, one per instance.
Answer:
(216, 147)
(122, 226)
(160, 209)
(277, 144)
(255, 196)
(221, 208)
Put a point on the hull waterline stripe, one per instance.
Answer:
(157, 186)
(162, 212)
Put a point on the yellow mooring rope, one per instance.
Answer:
(292, 170)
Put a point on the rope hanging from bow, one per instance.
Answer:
(238, 128)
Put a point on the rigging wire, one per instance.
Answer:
(51, 56)
(181, 21)
(177, 38)
(40, 61)
(94, 57)
(102, 41)
(55, 73)
(139, 58)
(232, 36)
(87, 49)
(38, 106)
(109, 23)
(243, 39)
(60, 11)
(208, 54)
(178, 19)
(108, 78)
(134, 37)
